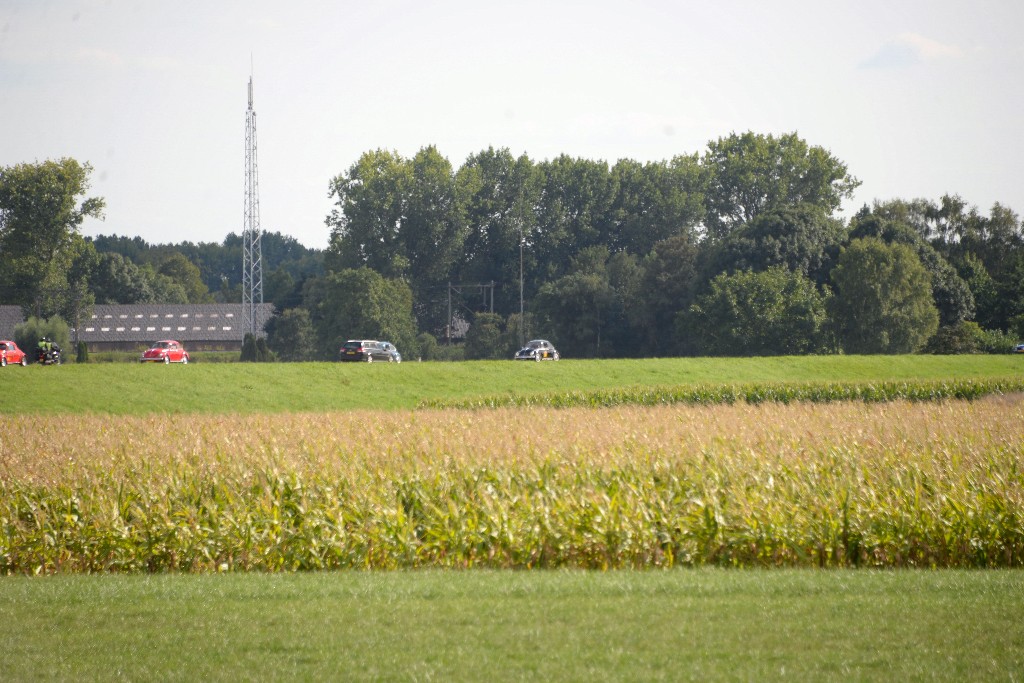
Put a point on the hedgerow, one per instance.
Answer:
(755, 393)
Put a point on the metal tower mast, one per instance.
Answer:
(252, 258)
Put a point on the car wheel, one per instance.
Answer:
(167, 360)
(556, 356)
(24, 361)
(3, 361)
(369, 358)
(184, 360)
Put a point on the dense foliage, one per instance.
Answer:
(715, 253)
(44, 262)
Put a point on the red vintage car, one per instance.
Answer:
(165, 351)
(10, 353)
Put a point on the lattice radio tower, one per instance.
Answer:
(252, 258)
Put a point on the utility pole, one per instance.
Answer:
(522, 338)
(252, 257)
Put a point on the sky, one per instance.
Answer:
(919, 98)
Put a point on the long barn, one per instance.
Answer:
(130, 327)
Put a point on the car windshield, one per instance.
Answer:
(161, 345)
(536, 344)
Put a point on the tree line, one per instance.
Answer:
(738, 250)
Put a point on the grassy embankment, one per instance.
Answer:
(134, 389)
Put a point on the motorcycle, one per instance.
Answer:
(48, 357)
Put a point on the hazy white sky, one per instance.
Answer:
(918, 97)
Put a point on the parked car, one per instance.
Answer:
(393, 355)
(1019, 348)
(10, 353)
(165, 351)
(538, 350)
(367, 350)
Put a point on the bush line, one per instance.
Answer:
(761, 392)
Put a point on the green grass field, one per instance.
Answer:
(131, 389)
(678, 624)
(683, 625)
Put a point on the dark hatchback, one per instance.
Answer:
(365, 350)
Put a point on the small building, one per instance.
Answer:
(130, 327)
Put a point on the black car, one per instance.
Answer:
(367, 350)
(538, 350)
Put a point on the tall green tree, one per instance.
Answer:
(403, 218)
(500, 193)
(883, 301)
(573, 213)
(361, 304)
(766, 313)
(76, 299)
(652, 202)
(40, 219)
(118, 280)
(183, 272)
(668, 287)
(951, 294)
(165, 289)
(433, 233)
(583, 309)
(366, 223)
(748, 174)
(800, 237)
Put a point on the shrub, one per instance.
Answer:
(254, 350)
(997, 341)
(483, 339)
(964, 337)
(449, 352)
(27, 334)
(428, 345)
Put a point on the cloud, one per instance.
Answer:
(908, 49)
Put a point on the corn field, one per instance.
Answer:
(742, 484)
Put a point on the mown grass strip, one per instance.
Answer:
(756, 393)
(505, 626)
